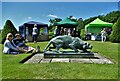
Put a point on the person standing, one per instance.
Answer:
(35, 33)
(65, 31)
(56, 31)
(62, 31)
(103, 35)
(74, 32)
(109, 32)
(69, 31)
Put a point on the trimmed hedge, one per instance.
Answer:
(8, 28)
(115, 35)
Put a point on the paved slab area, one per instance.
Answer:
(98, 59)
(35, 59)
(60, 60)
(45, 60)
(81, 60)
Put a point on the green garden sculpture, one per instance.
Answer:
(66, 42)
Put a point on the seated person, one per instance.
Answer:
(18, 42)
(9, 47)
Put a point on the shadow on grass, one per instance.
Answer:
(27, 58)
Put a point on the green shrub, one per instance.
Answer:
(115, 35)
(0, 38)
(8, 28)
(51, 32)
(82, 34)
(41, 31)
(51, 35)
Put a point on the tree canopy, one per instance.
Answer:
(115, 35)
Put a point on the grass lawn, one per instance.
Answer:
(12, 69)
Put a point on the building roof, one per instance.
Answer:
(34, 22)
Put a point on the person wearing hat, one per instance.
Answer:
(35, 33)
(18, 41)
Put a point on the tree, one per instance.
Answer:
(53, 21)
(87, 21)
(8, 28)
(82, 34)
(112, 17)
(115, 35)
(80, 24)
(73, 18)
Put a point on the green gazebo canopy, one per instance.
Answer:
(67, 22)
(97, 25)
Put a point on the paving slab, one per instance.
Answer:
(45, 60)
(108, 61)
(99, 56)
(81, 60)
(35, 59)
(98, 59)
(60, 60)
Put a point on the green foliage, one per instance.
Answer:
(8, 28)
(53, 21)
(115, 35)
(87, 21)
(72, 18)
(112, 17)
(51, 31)
(80, 24)
(41, 31)
(51, 27)
(107, 37)
(51, 35)
(0, 38)
(82, 34)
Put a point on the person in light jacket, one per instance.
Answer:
(103, 35)
(35, 33)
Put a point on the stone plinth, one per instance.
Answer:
(67, 54)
